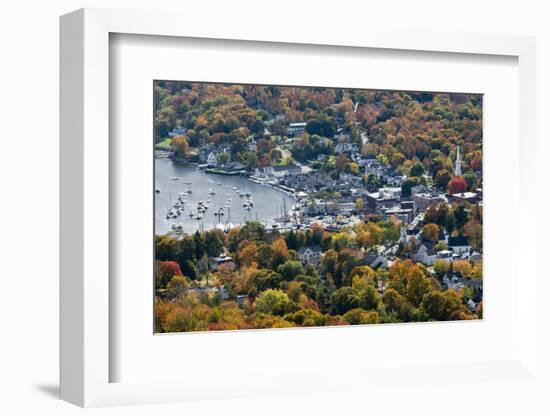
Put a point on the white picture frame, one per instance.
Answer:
(85, 353)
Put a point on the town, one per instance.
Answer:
(386, 224)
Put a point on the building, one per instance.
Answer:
(177, 131)
(425, 253)
(402, 214)
(423, 200)
(384, 198)
(345, 147)
(310, 254)
(212, 160)
(375, 260)
(456, 282)
(216, 262)
(459, 245)
(295, 129)
(470, 197)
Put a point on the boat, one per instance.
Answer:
(191, 214)
(211, 192)
(157, 190)
(248, 193)
(175, 178)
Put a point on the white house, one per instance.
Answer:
(424, 255)
(212, 160)
(310, 254)
(295, 129)
(459, 245)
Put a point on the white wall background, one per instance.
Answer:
(29, 183)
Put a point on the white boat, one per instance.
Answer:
(247, 193)
(191, 214)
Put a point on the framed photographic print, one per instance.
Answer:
(285, 207)
(293, 212)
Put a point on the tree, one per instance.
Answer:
(177, 286)
(359, 205)
(187, 249)
(273, 301)
(392, 300)
(290, 269)
(430, 232)
(369, 298)
(166, 247)
(417, 285)
(461, 216)
(180, 145)
(417, 169)
(307, 317)
(407, 185)
(344, 299)
(443, 306)
(213, 243)
(470, 178)
(280, 253)
(265, 255)
(442, 267)
(203, 267)
(457, 185)
(463, 267)
(442, 178)
(292, 240)
(247, 253)
(200, 248)
(359, 316)
(165, 271)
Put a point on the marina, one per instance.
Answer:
(188, 199)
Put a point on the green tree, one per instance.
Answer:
(290, 269)
(292, 240)
(407, 185)
(417, 169)
(213, 243)
(273, 301)
(344, 299)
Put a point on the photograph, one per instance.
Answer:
(297, 206)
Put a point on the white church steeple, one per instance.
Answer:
(458, 169)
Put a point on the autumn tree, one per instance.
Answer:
(463, 267)
(457, 185)
(180, 145)
(165, 271)
(430, 232)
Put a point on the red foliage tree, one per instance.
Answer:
(166, 270)
(457, 185)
